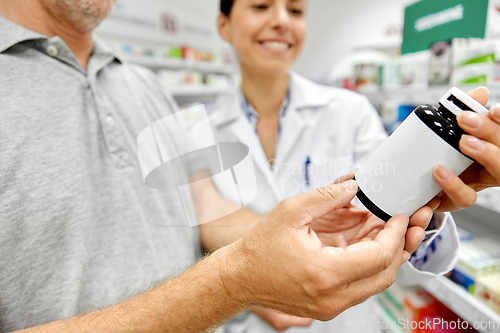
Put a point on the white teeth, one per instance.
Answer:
(276, 45)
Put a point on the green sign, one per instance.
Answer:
(431, 21)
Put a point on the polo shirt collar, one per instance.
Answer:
(12, 34)
(103, 49)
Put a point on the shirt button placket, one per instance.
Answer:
(52, 51)
(110, 121)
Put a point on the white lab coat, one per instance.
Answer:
(337, 130)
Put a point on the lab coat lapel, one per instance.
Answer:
(304, 94)
(231, 115)
(292, 127)
(246, 134)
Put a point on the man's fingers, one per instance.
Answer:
(460, 195)
(362, 288)
(372, 257)
(480, 94)
(306, 207)
(344, 178)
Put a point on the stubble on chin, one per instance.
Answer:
(84, 15)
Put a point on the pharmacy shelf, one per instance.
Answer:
(390, 326)
(202, 66)
(490, 199)
(463, 304)
(417, 95)
(200, 90)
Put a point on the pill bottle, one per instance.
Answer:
(398, 179)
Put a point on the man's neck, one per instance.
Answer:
(33, 15)
(264, 92)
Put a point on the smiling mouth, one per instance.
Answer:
(276, 46)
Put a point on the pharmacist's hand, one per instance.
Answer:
(282, 264)
(483, 145)
(281, 321)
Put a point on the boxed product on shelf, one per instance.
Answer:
(440, 63)
(470, 51)
(158, 51)
(488, 291)
(477, 258)
(406, 307)
(390, 74)
(414, 310)
(393, 113)
(175, 52)
(187, 53)
(465, 235)
(366, 74)
(392, 301)
(480, 74)
(180, 78)
(415, 69)
(490, 198)
(217, 80)
(474, 61)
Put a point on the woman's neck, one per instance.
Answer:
(265, 93)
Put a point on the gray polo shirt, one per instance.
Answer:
(79, 230)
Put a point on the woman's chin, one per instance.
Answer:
(273, 69)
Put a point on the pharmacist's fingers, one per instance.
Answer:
(480, 126)
(485, 153)
(458, 195)
(414, 237)
(480, 94)
(495, 113)
(434, 203)
(421, 217)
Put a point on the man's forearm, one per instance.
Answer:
(193, 302)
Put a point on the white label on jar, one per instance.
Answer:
(398, 177)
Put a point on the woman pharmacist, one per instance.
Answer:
(302, 136)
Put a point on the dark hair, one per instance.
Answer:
(225, 6)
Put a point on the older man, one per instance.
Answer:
(80, 233)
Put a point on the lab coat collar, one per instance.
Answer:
(303, 94)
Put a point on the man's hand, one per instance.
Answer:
(281, 321)
(353, 224)
(483, 145)
(282, 264)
